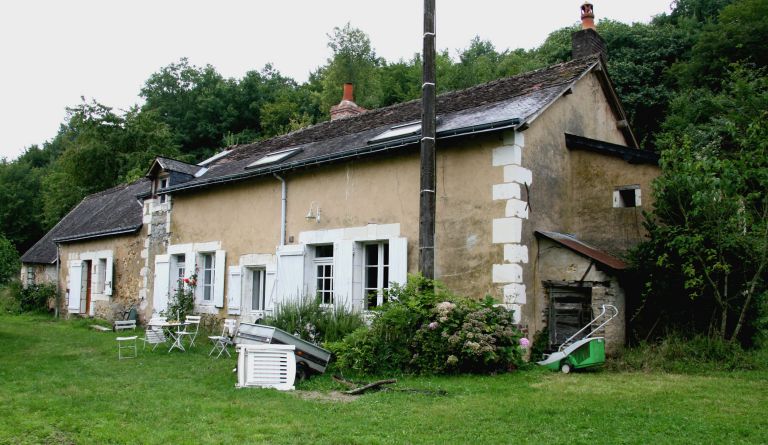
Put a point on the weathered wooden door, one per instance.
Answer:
(85, 288)
(570, 309)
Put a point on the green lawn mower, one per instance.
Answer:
(579, 353)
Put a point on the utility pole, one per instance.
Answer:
(428, 183)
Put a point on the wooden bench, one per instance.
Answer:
(121, 325)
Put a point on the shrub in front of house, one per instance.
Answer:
(33, 298)
(315, 322)
(424, 329)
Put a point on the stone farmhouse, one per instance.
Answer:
(540, 190)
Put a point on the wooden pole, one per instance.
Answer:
(428, 183)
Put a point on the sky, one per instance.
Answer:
(54, 52)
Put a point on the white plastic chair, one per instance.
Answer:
(191, 328)
(154, 335)
(220, 342)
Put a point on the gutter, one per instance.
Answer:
(354, 153)
(84, 236)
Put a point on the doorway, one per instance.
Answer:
(85, 287)
(570, 309)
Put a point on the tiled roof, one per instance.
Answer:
(106, 213)
(177, 166)
(574, 244)
(504, 103)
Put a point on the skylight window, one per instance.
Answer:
(397, 132)
(274, 157)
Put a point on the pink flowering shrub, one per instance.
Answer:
(425, 329)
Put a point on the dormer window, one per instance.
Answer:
(161, 184)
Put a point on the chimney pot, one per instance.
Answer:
(347, 107)
(587, 16)
(348, 92)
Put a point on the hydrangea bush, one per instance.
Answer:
(425, 329)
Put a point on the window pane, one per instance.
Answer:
(371, 278)
(385, 280)
(385, 246)
(325, 251)
(371, 254)
(256, 290)
(207, 293)
(372, 299)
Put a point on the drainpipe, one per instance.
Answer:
(282, 208)
(58, 285)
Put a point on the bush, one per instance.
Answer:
(182, 302)
(425, 329)
(314, 322)
(33, 298)
(698, 354)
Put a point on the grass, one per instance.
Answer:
(61, 382)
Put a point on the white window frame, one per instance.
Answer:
(381, 269)
(249, 290)
(202, 279)
(620, 202)
(324, 264)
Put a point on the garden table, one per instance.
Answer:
(168, 326)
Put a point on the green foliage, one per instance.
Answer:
(676, 353)
(182, 301)
(738, 35)
(32, 298)
(708, 247)
(353, 61)
(314, 322)
(424, 329)
(9, 260)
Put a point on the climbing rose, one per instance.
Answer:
(186, 280)
(433, 325)
(524, 343)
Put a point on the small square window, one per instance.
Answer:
(628, 196)
(324, 251)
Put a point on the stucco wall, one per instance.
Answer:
(245, 217)
(571, 191)
(126, 279)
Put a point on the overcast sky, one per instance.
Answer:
(52, 52)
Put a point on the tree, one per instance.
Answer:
(9, 260)
(738, 35)
(353, 61)
(709, 231)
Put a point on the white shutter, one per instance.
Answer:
(160, 293)
(342, 272)
(398, 260)
(638, 202)
(75, 276)
(290, 273)
(616, 199)
(358, 255)
(269, 288)
(234, 294)
(190, 264)
(218, 284)
(109, 274)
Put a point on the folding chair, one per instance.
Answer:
(191, 328)
(220, 342)
(154, 335)
(126, 343)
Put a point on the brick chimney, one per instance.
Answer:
(587, 41)
(347, 107)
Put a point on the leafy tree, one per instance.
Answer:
(353, 61)
(9, 260)
(20, 201)
(739, 35)
(708, 248)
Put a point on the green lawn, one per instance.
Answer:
(61, 382)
